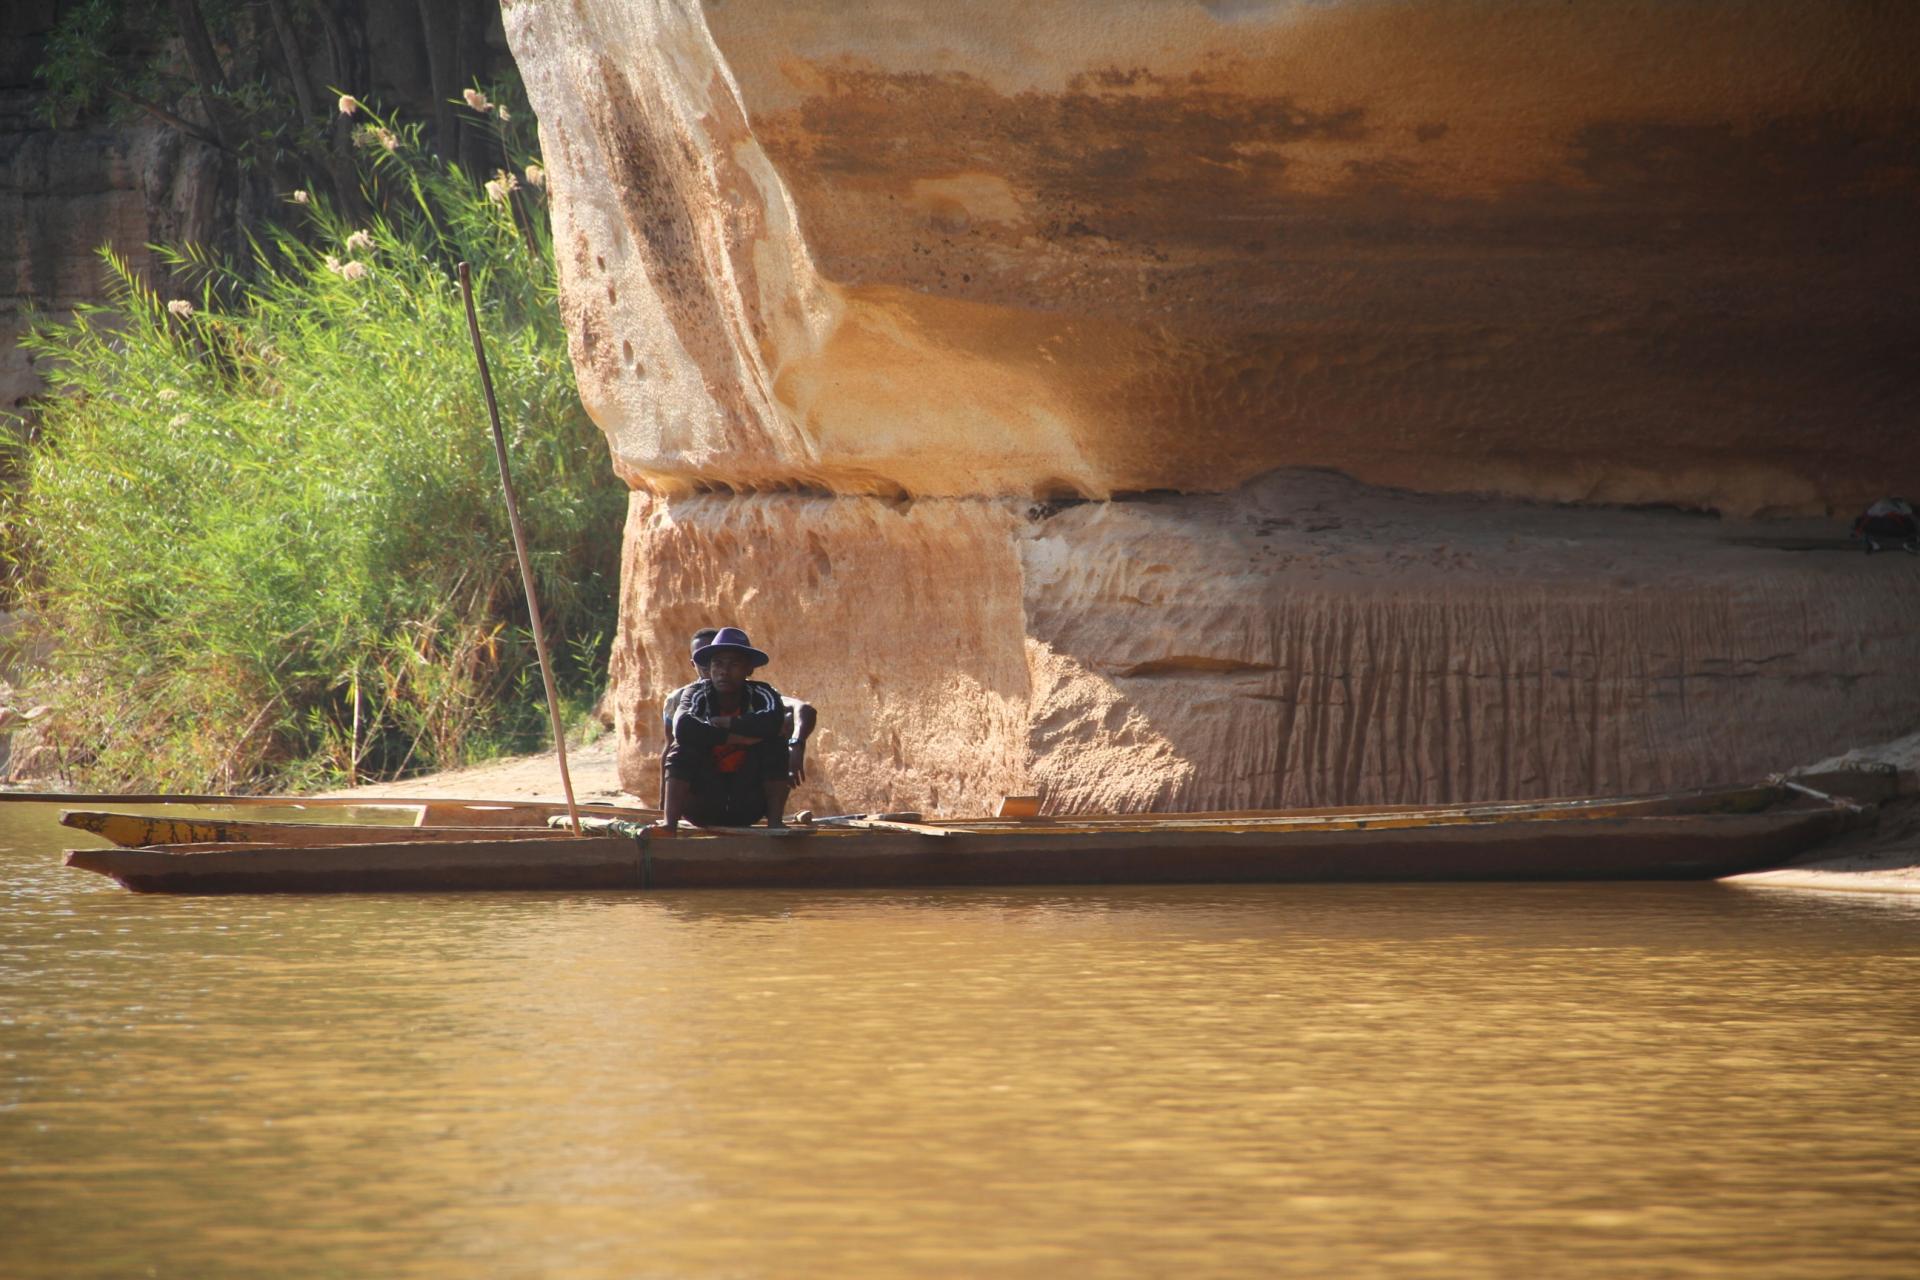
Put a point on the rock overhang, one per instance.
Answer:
(1604, 253)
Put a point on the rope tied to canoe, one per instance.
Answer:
(641, 833)
(642, 836)
(1839, 802)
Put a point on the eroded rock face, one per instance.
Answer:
(878, 278)
(1304, 640)
(62, 196)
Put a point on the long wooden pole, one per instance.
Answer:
(520, 547)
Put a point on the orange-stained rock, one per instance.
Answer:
(1607, 252)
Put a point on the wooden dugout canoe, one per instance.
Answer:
(1715, 834)
(521, 820)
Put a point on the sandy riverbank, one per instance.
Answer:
(1885, 859)
(593, 769)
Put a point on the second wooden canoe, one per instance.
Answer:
(137, 830)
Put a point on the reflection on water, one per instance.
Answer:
(1523, 1080)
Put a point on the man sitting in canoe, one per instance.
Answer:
(727, 758)
(800, 722)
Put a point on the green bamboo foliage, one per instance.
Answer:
(261, 530)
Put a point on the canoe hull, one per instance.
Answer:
(1690, 847)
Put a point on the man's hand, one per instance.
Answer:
(797, 762)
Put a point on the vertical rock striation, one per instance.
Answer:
(1302, 640)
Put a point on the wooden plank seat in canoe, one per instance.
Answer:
(1710, 839)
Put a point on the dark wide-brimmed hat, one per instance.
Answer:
(730, 638)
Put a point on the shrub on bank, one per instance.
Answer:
(261, 529)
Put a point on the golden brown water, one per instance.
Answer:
(1506, 1080)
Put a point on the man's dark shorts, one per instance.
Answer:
(736, 799)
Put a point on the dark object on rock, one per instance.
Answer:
(1888, 522)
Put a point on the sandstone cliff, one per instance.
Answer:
(64, 193)
(851, 286)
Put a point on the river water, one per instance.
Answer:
(1505, 1080)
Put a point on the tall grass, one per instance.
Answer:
(263, 538)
